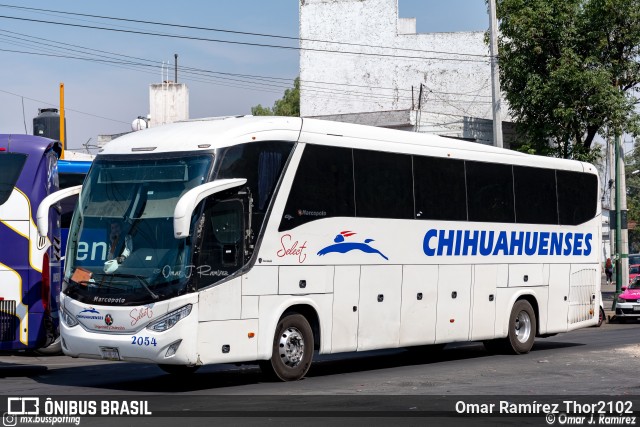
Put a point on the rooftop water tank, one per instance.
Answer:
(47, 124)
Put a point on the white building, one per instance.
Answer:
(168, 103)
(379, 84)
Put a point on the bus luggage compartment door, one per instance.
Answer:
(380, 297)
(454, 303)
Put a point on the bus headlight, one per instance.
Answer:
(69, 319)
(167, 321)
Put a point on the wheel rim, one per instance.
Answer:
(523, 326)
(291, 347)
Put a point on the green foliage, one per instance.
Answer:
(569, 69)
(288, 105)
(632, 163)
(259, 110)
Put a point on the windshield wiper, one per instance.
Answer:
(141, 279)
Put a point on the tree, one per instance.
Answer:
(632, 164)
(569, 69)
(288, 105)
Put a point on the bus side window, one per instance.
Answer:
(440, 190)
(535, 190)
(577, 197)
(490, 192)
(384, 184)
(221, 246)
(322, 187)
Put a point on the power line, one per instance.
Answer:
(66, 109)
(191, 27)
(177, 36)
(202, 72)
(252, 85)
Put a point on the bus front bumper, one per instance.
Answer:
(175, 346)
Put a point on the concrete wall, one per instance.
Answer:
(168, 103)
(457, 88)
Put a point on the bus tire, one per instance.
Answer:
(179, 369)
(292, 349)
(53, 349)
(601, 317)
(522, 328)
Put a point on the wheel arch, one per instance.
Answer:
(303, 306)
(528, 295)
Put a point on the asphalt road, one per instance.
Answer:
(594, 361)
(586, 361)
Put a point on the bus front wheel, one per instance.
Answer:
(292, 349)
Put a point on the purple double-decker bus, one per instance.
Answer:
(29, 264)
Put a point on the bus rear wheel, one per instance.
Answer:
(292, 349)
(522, 331)
(522, 328)
(179, 369)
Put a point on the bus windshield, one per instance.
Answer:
(121, 244)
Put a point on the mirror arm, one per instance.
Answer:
(42, 215)
(189, 200)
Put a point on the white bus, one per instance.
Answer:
(266, 238)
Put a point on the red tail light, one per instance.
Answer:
(46, 283)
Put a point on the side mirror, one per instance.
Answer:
(42, 215)
(188, 202)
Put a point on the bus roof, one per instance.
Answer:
(27, 144)
(216, 132)
(205, 134)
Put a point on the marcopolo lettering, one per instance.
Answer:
(492, 243)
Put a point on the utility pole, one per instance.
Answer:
(495, 75)
(62, 129)
(622, 233)
(612, 196)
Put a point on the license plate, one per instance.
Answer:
(636, 308)
(110, 353)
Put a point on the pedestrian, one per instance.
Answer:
(608, 270)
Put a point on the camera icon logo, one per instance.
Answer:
(9, 420)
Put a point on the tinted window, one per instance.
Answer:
(322, 187)
(577, 197)
(384, 184)
(11, 165)
(261, 163)
(440, 188)
(535, 191)
(67, 206)
(490, 192)
(71, 179)
(634, 259)
(220, 252)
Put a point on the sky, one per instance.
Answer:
(105, 97)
